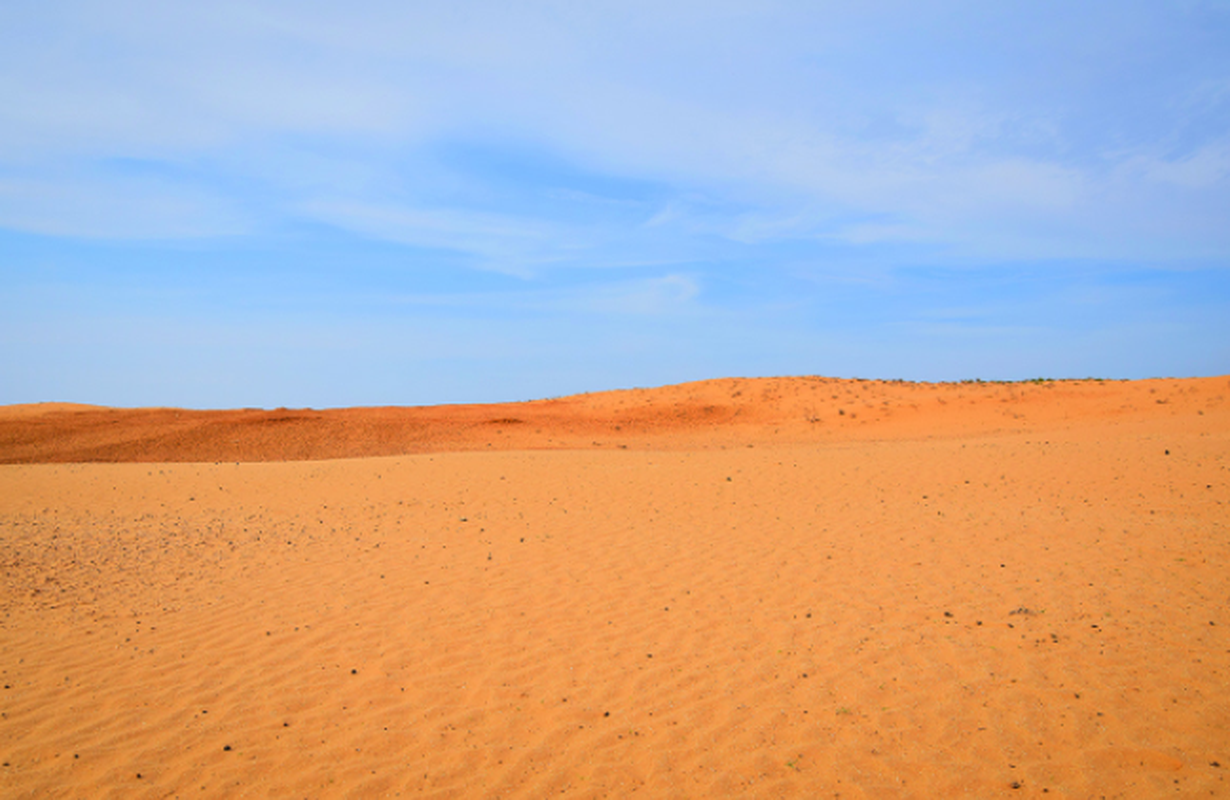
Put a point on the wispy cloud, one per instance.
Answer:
(804, 128)
(106, 206)
(500, 242)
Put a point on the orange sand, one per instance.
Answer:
(761, 588)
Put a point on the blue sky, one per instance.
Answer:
(321, 204)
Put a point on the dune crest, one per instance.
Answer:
(698, 415)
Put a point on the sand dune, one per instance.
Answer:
(694, 415)
(765, 588)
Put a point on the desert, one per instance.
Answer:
(774, 587)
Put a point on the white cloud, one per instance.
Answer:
(115, 208)
(667, 295)
(1204, 168)
(505, 243)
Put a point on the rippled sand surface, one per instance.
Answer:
(756, 588)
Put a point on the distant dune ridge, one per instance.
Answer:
(701, 414)
(787, 587)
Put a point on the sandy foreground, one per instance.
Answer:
(757, 588)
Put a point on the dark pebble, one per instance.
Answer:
(226, 747)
